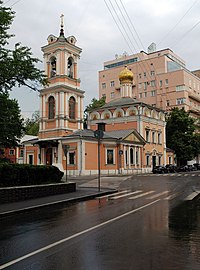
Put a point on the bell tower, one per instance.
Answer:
(61, 102)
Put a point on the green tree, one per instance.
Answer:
(31, 125)
(11, 122)
(180, 134)
(18, 66)
(95, 104)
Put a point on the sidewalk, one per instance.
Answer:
(81, 194)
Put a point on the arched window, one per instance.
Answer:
(70, 67)
(53, 67)
(131, 156)
(72, 108)
(51, 103)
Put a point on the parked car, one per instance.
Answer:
(197, 165)
(159, 169)
(171, 168)
(192, 168)
(183, 168)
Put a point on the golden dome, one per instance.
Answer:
(126, 76)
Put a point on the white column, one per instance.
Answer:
(61, 112)
(44, 111)
(66, 97)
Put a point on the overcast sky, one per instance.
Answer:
(173, 24)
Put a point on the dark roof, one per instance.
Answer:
(120, 102)
(115, 134)
(123, 101)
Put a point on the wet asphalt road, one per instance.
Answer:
(147, 225)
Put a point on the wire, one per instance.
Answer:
(117, 25)
(175, 43)
(178, 22)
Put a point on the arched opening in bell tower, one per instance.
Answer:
(51, 107)
(70, 67)
(53, 66)
(72, 108)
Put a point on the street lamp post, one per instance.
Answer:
(98, 134)
(65, 148)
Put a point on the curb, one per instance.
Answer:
(71, 200)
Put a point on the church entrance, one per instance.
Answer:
(49, 156)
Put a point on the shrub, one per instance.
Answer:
(25, 175)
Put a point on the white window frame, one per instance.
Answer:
(112, 83)
(110, 149)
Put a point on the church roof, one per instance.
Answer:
(120, 102)
(126, 101)
(113, 135)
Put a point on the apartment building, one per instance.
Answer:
(161, 80)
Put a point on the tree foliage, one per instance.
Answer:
(11, 122)
(180, 135)
(95, 104)
(31, 125)
(18, 66)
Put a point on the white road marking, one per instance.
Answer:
(3, 266)
(141, 195)
(125, 195)
(192, 196)
(171, 197)
(114, 194)
(158, 195)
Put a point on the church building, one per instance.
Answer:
(132, 133)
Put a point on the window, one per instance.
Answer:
(140, 75)
(71, 158)
(21, 154)
(112, 95)
(147, 135)
(167, 103)
(126, 156)
(140, 95)
(72, 107)
(147, 160)
(145, 94)
(152, 73)
(159, 160)
(103, 85)
(136, 157)
(153, 93)
(180, 101)
(170, 160)
(30, 159)
(153, 83)
(70, 67)
(53, 67)
(160, 83)
(51, 105)
(159, 138)
(153, 137)
(131, 156)
(110, 156)
(145, 85)
(166, 82)
(139, 85)
(112, 84)
(11, 152)
(145, 74)
(180, 88)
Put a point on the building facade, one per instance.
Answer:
(160, 80)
